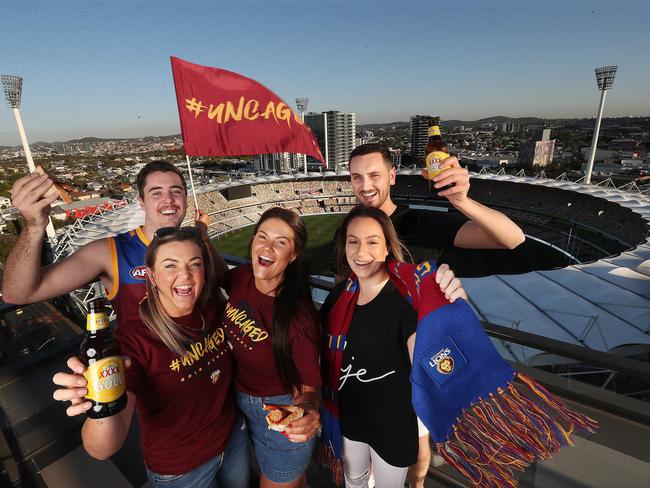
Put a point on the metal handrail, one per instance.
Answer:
(580, 353)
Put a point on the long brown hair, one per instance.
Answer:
(293, 297)
(151, 309)
(396, 250)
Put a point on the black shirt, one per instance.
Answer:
(426, 233)
(374, 386)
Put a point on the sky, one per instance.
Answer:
(102, 69)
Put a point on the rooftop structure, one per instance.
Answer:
(571, 318)
(419, 136)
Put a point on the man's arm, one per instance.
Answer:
(26, 282)
(24, 279)
(487, 228)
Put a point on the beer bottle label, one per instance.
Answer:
(433, 162)
(96, 321)
(434, 130)
(105, 380)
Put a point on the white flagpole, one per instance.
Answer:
(189, 170)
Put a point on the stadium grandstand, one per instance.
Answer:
(570, 308)
(583, 276)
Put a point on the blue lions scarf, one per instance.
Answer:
(462, 389)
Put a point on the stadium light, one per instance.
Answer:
(13, 88)
(605, 79)
(302, 103)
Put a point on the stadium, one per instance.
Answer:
(570, 307)
(581, 277)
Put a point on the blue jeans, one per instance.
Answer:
(230, 469)
(280, 459)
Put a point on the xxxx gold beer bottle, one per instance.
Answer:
(437, 149)
(100, 351)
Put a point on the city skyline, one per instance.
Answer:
(95, 69)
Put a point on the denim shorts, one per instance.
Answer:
(280, 460)
(230, 469)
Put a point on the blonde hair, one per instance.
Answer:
(151, 310)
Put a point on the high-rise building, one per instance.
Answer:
(419, 136)
(278, 162)
(341, 130)
(543, 134)
(335, 133)
(396, 154)
(317, 122)
(539, 151)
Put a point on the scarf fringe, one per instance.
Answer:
(328, 459)
(507, 432)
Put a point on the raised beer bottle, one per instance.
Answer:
(100, 352)
(437, 149)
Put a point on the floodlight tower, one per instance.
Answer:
(605, 79)
(302, 103)
(13, 88)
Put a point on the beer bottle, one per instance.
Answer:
(437, 149)
(100, 352)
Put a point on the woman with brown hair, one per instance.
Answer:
(378, 426)
(378, 374)
(274, 331)
(179, 377)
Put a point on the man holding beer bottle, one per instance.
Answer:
(372, 174)
(426, 233)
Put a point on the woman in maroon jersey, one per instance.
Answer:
(273, 329)
(179, 378)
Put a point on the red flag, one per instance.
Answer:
(226, 114)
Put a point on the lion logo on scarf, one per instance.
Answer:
(445, 365)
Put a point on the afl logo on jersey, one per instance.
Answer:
(139, 273)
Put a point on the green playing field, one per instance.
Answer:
(320, 232)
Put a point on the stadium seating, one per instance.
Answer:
(570, 220)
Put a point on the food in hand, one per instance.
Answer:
(280, 416)
(58, 187)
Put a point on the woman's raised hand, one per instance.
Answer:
(449, 284)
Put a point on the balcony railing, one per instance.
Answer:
(41, 445)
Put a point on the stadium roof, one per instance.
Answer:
(603, 305)
(102, 224)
